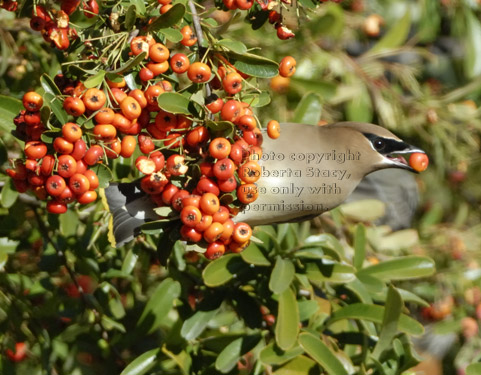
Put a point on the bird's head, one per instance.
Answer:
(385, 149)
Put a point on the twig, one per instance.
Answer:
(200, 36)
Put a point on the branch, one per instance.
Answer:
(87, 303)
(200, 36)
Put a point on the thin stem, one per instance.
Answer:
(200, 36)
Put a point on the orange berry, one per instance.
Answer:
(287, 66)
(273, 129)
(199, 72)
(418, 161)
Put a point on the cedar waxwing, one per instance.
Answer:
(306, 171)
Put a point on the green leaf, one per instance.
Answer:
(307, 309)
(110, 299)
(282, 275)
(273, 355)
(394, 242)
(375, 313)
(331, 271)
(253, 255)
(142, 364)
(228, 358)
(45, 113)
(309, 4)
(129, 262)
(309, 109)
(166, 211)
(359, 246)
(195, 247)
(174, 103)
(140, 6)
(169, 19)
(257, 100)
(233, 45)
(3, 260)
(364, 210)
(104, 174)
(222, 270)
(321, 353)
(49, 136)
(430, 22)
(127, 66)
(392, 313)
(196, 324)
(472, 62)
(130, 17)
(325, 89)
(287, 323)
(9, 194)
(156, 227)
(7, 245)
(182, 359)
(329, 242)
(396, 35)
(473, 369)
(174, 35)
(111, 324)
(159, 305)
(79, 73)
(282, 230)
(301, 365)
(56, 105)
(372, 284)
(331, 22)
(9, 108)
(69, 223)
(408, 296)
(359, 289)
(359, 108)
(402, 268)
(254, 65)
(49, 85)
(219, 126)
(95, 80)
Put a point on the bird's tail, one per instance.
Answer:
(129, 207)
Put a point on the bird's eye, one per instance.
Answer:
(379, 144)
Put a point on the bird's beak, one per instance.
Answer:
(400, 159)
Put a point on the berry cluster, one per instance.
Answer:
(274, 16)
(54, 25)
(205, 178)
(191, 167)
(272, 8)
(58, 173)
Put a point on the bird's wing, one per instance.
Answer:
(397, 189)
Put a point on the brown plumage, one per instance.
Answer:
(306, 171)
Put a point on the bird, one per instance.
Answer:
(308, 170)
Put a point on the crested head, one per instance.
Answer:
(385, 149)
(364, 127)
